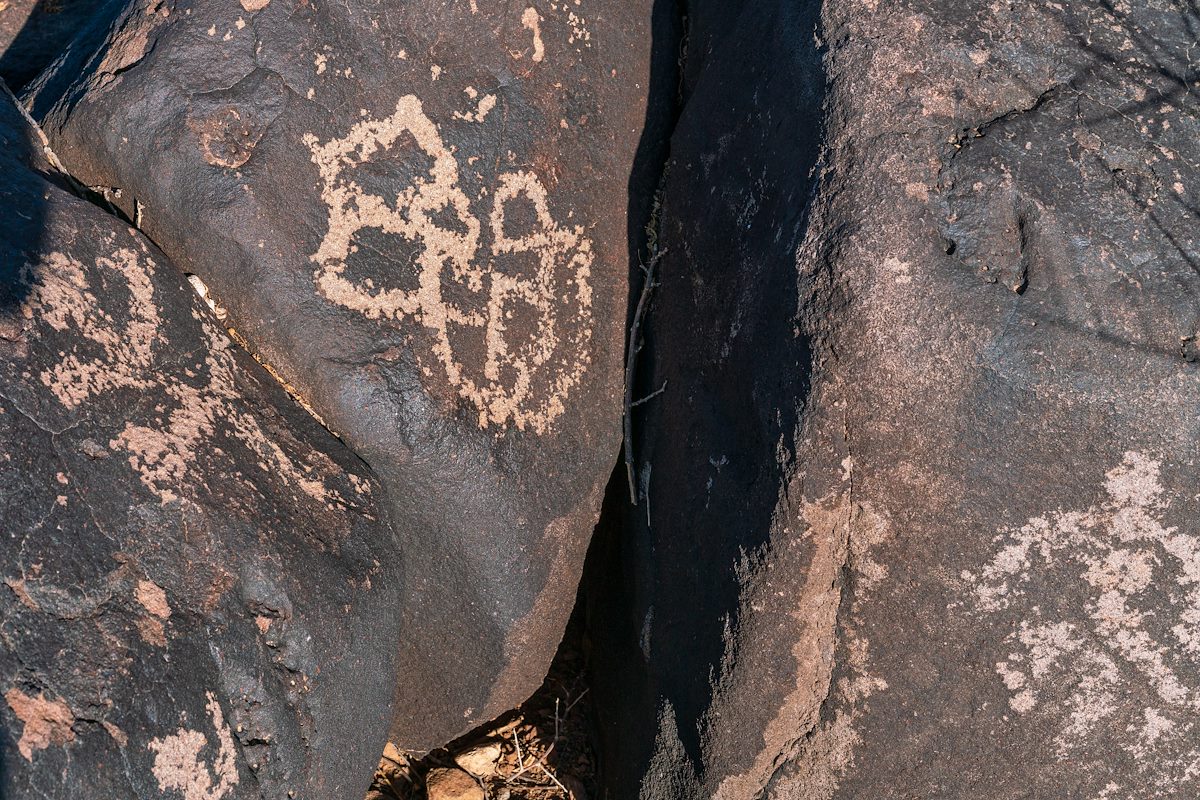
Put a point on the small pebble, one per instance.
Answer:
(480, 761)
(452, 784)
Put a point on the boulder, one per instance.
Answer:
(199, 584)
(416, 215)
(916, 511)
(34, 33)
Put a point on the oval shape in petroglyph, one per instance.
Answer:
(525, 384)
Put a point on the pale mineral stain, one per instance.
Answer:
(532, 21)
(898, 269)
(46, 722)
(179, 766)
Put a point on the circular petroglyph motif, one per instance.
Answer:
(526, 297)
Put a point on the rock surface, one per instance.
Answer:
(416, 215)
(481, 760)
(198, 585)
(964, 552)
(452, 784)
(33, 33)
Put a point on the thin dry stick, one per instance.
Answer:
(635, 345)
(576, 700)
(650, 396)
(540, 763)
(550, 775)
(534, 759)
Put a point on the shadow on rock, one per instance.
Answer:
(722, 339)
(34, 34)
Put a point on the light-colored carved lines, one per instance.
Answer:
(525, 384)
(1105, 604)
(61, 296)
(119, 354)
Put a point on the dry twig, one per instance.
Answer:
(635, 346)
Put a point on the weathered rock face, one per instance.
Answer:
(714, 451)
(713, 552)
(973, 571)
(416, 215)
(199, 588)
(33, 33)
(1022, 435)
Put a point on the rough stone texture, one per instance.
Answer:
(964, 555)
(416, 215)
(714, 453)
(197, 585)
(452, 784)
(33, 33)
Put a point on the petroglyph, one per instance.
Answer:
(114, 354)
(61, 297)
(178, 763)
(1126, 623)
(485, 105)
(153, 599)
(545, 271)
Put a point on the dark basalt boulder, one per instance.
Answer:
(416, 215)
(964, 555)
(34, 33)
(199, 587)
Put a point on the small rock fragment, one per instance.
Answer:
(452, 784)
(480, 761)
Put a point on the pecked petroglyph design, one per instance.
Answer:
(525, 383)
(1108, 603)
(179, 765)
(112, 354)
(63, 299)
